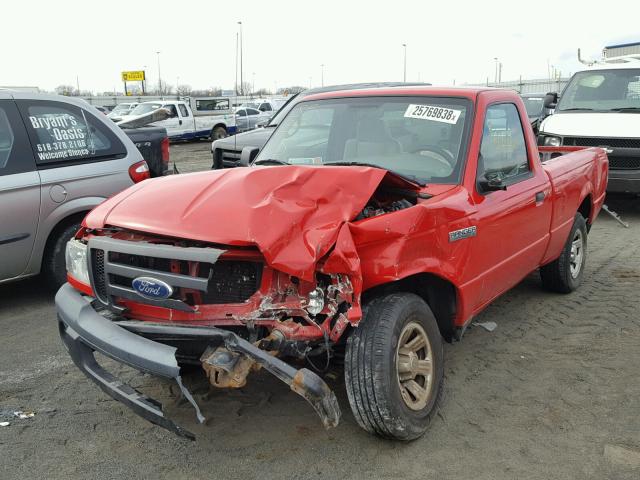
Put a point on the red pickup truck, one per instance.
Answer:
(373, 226)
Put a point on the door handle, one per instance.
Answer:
(540, 197)
(179, 122)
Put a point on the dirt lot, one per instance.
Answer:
(552, 393)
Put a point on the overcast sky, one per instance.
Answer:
(49, 43)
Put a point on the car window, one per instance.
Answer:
(61, 132)
(15, 154)
(183, 110)
(253, 111)
(241, 113)
(265, 107)
(503, 153)
(172, 110)
(212, 104)
(7, 139)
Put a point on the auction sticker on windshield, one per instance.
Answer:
(433, 112)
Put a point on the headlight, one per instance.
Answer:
(316, 301)
(552, 141)
(76, 259)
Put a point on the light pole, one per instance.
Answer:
(404, 77)
(144, 82)
(495, 77)
(253, 82)
(159, 76)
(241, 85)
(322, 75)
(309, 82)
(177, 83)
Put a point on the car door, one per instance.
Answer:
(253, 117)
(512, 225)
(173, 124)
(186, 125)
(19, 193)
(241, 120)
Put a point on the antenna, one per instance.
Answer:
(588, 63)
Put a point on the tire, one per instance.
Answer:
(217, 133)
(564, 274)
(54, 265)
(372, 367)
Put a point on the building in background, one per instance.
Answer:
(622, 49)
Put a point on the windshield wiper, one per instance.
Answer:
(270, 161)
(408, 178)
(577, 109)
(625, 109)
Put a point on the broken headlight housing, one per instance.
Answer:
(315, 304)
(76, 260)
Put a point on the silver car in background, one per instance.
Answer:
(59, 158)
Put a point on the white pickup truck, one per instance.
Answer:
(600, 107)
(182, 124)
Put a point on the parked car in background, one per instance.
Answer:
(183, 124)
(248, 118)
(101, 109)
(600, 106)
(373, 226)
(121, 110)
(226, 151)
(536, 111)
(265, 105)
(59, 158)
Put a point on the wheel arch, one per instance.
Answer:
(440, 294)
(586, 208)
(58, 219)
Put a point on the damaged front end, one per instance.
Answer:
(232, 296)
(284, 317)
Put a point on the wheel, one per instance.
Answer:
(394, 367)
(217, 133)
(54, 264)
(564, 274)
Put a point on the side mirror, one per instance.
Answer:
(492, 185)
(551, 100)
(247, 156)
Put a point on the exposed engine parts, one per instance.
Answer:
(375, 208)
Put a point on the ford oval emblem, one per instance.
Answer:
(152, 288)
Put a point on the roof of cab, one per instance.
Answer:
(468, 92)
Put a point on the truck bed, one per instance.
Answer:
(574, 172)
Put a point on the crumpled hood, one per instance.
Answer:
(292, 214)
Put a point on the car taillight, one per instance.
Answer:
(164, 146)
(139, 171)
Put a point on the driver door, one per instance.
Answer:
(512, 224)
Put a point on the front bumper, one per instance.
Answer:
(624, 181)
(84, 331)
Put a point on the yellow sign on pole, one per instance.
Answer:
(134, 76)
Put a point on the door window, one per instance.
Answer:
(173, 113)
(265, 107)
(241, 113)
(61, 132)
(253, 111)
(183, 110)
(15, 154)
(503, 153)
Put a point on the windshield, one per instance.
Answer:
(145, 108)
(122, 108)
(418, 137)
(533, 105)
(602, 90)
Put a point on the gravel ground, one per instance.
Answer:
(553, 392)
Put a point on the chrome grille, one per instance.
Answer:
(111, 274)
